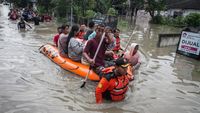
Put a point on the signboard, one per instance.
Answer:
(189, 44)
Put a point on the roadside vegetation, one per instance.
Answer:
(193, 20)
(82, 11)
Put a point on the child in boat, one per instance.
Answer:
(90, 30)
(117, 47)
(62, 41)
(81, 32)
(56, 37)
(133, 56)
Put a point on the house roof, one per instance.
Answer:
(183, 4)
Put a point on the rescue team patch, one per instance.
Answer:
(100, 85)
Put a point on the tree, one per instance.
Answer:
(112, 12)
(120, 6)
(62, 7)
(193, 20)
(20, 3)
(135, 5)
(154, 5)
(44, 6)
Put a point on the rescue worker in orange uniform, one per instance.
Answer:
(114, 84)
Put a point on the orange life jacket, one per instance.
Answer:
(118, 93)
(121, 86)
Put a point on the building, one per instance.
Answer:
(182, 7)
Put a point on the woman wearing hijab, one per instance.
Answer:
(133, 56)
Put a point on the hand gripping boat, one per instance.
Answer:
(75, 67)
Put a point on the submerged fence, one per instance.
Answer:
(168, 39)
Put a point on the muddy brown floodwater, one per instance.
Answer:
(31, 83)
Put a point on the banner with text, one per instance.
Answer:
(189, 44)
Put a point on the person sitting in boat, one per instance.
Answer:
(90, 30)
(92, 35)
(21, 25)
(117, 47)
(75, 46)
(109, 56)
(56, 37)
(114, 83)
(81, 32)
(133, 56)
(89, 51)
(62, 41)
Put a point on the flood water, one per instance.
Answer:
(30, 83)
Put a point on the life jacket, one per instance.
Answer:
(117, 46)
(121, 85)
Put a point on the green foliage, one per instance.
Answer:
(44, 6)
(77, 10)
(179, 21)
(112, 12)
(119, 3)
(62, 20)
(192, 19)
(122, 24)
(91, 4)
(90, 14)
(41, 9)
(20, 3)
(103, 6)
(154, 5)
(137, 4)
(158, 19)
(62, 7)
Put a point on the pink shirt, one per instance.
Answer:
(133, 59)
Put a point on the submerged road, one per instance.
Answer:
(31, 83)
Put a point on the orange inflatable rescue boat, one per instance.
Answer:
(75, 67)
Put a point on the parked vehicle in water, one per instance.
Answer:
(107, 20)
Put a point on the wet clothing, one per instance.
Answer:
(117, 45)
(75, 49)
(111, 87)
(21, 25)
(62, 45)
(36, 20)
(91, 48)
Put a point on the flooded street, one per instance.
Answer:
(31, 83)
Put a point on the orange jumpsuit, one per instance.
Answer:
(114, 88)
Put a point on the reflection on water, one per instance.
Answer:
(31, 83)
